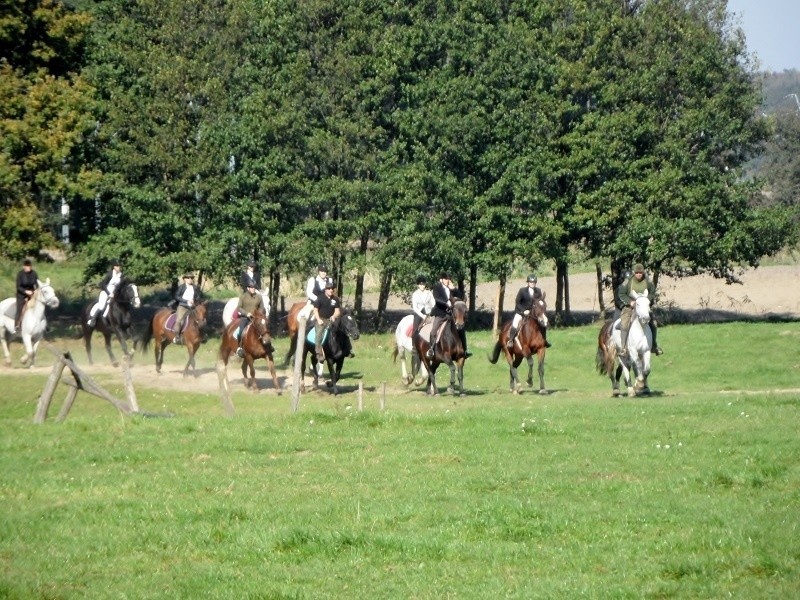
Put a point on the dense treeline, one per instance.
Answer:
(395, 137)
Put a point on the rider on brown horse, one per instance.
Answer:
(187, 296)
(442, 307)
(523, 305)
(249, 302)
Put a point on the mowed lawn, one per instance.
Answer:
(692, 492)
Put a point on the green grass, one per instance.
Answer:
(691, 493)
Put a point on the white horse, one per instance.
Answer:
(33, 321)
(229, 312)
(640, 342)
(404, 344)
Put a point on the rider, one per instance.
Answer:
(27, 283)
(421, 302)
(632, 287)
(442, 307)
(326, 309)
(114, 279)
(250, 276)
(188, 296)
(523, 304)
(249, 302)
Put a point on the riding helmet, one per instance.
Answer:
(251, 263)
(422, 279)
(188, 276)
(115, 262)
(444, 275)
(322, 267)
(329, 285)
(638, 268)
(532, 278)
(27, 262)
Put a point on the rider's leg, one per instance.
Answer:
(625, 328)
(20, 304)
(544, 335)
(180, 315)
(432, 338)
(512, 333)
(98, 308)
(319, 331)
(463, 335)
(653, 329)
(243, 322)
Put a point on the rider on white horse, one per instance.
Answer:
(114, 279)
(27, 283)
(421, 302)
(632, 287)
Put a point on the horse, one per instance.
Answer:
(33, 322)
(448, 349)
(335, 347)
(640, 342)
(403, 336)
(115, 319)
(230, 313)
(160, 330)
(256, 343)
(529, 341)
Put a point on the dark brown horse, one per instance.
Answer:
(256, 343)
(163, 336)
(336, 347)
(529, 341)
(117, 321)
(448, 349)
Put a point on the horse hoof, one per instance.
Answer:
(24, 360)
(115, 364)
(615, 394)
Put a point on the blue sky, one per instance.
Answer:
(772, 28)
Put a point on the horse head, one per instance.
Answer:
(47, 295)
(200, 314)
(259, 323)
(540, 311)
(459, 314)
(133, 295)
(642, 308)
(348, 324)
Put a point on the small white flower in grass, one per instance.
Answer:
(666, 446)
(311, 422)
(658, 446)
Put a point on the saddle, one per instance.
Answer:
(170, 322)
(425, 330)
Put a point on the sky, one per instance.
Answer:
(772, 29)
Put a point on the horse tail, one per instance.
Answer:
(604, 359)
(495, 353)
(148, 334)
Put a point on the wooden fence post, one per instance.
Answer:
(47, 392)
(297, 383)
(224, 388)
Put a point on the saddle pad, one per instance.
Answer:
(425, 331)
(11, 311)
(170, 324)
(311, 336)
(410, 329)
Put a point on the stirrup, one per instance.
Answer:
(429, 353)
(240, 352)
(510, 343)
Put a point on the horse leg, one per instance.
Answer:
(403, 369)
(273, 374)
(292, 350)
(334, 373)
(107, 337)
(432, 389)
(542, 389)
(451, 387)
(614, 376)
(87, 341)
(190, 363)
(529, 381)
(4, 341)
(159, 351)
(28, 358)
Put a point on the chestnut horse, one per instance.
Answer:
(163, 336)
(448, 349)
(529, 341)
(256, 343)
(116, 321)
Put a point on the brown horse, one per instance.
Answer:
(192, 334)
(448, 349)
(291, 329)
(256, 343)
(529, 341)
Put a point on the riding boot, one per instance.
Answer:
(177, 339)
(430, 353)
(656, 349)
(544, 335)
(512, 335)
(624, 341)
(463, 335)
(92, 317)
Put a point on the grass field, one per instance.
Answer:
(690, 493)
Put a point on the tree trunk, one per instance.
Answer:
(498, 306)
(383, 299)
(473, 288)
(600, 300)
(563, 313)
(362, 252)
(274, 290)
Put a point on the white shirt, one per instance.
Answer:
(312, 281)
(422, 302)
(113, 282)
(188, 295)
